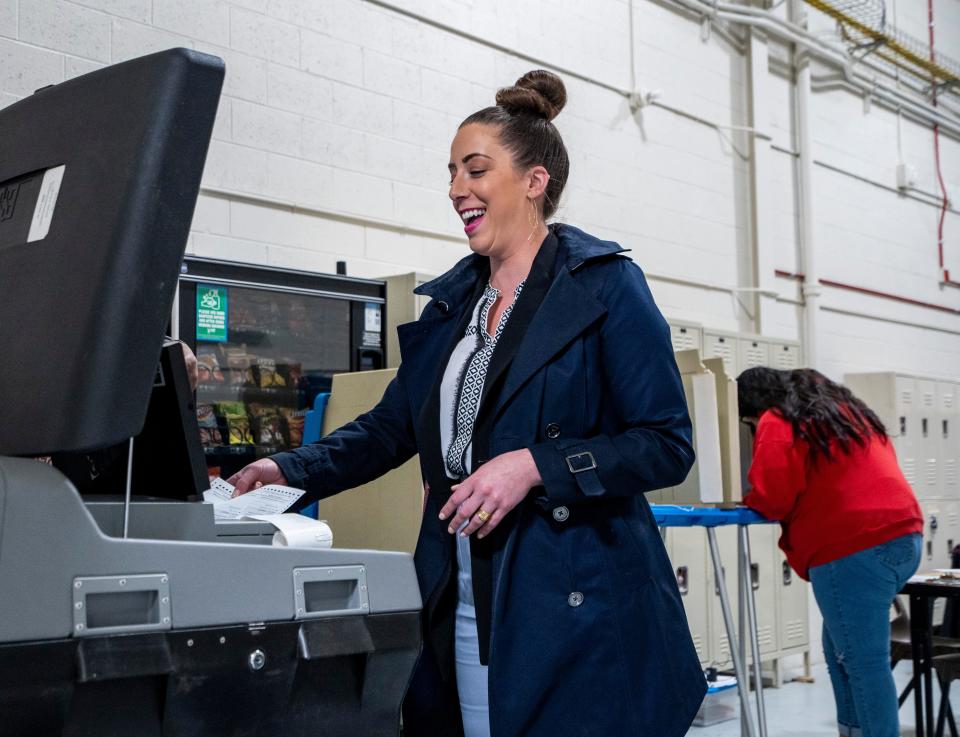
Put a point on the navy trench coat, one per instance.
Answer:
(588, 633)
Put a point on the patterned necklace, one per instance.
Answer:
(470, 389)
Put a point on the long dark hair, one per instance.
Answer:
(819, 410)
(522, 116)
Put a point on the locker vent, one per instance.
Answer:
(785, 359)
(722, 350)
(724, 647)
(684, 341)
(698, 645)
(795, 631)
(909, 470)
(928, 399)
(765, 636)
(755, 356)
(931, 475)
(947, 401)
(906, 397)
(950, 471)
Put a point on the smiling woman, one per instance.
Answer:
(540, 389)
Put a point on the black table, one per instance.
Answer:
(921, 592)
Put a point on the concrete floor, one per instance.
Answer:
(807, 709)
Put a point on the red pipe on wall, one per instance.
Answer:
(872, 292)
(945, 204)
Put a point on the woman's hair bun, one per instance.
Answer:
(539, 93)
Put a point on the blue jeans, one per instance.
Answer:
(854, 594)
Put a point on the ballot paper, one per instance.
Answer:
(267, 500)
(296, 531)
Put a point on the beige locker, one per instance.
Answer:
(386, 513)
(879, 391)
(928, 480)
(935, 553)
(893, 397)
(792, 608)
(752, 352)
(948, 416)
(685, 336)
(763, 557)
(719, 642)
(402, 306)
(906, 429)
(951, 528)
(717, 344)
(784, 355)
(938, 533)
(688, 551)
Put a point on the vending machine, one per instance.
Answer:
(267, 342)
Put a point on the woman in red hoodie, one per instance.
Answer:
(824, 467)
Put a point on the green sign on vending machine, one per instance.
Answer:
(211, 313)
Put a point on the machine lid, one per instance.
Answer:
(98, 180)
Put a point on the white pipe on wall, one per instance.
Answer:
(806, 240)
(787, 31)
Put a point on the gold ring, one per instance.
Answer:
(483, 516)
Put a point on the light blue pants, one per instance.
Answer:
(854, 594)
(471, 676)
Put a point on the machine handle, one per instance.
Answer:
(330, 591)
(110, 605)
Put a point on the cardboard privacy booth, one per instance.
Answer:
(728, 416)
(384, 514)
(705, 482)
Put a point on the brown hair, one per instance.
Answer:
(522, 116)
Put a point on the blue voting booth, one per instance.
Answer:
(671, 515)
(312, 429)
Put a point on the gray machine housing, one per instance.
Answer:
(170, 631)
(49, 540)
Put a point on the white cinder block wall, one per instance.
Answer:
(333, 136)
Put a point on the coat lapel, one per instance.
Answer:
(566, 311)
(426, 345)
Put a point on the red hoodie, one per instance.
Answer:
(832, 508)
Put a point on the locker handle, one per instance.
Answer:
(787, 574)
(923, 426)
(946, 430)
(683, 580)
(903, 425)
(755, 576)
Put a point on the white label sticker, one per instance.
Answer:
(46, 203)
(371, 317)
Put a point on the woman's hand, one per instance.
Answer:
(495, 488)
(257, 474)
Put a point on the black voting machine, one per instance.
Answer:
(176, 629)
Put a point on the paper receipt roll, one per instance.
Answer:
(297, 531)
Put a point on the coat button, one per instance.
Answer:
(561, 514)
(552, 431)
(575, 599)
